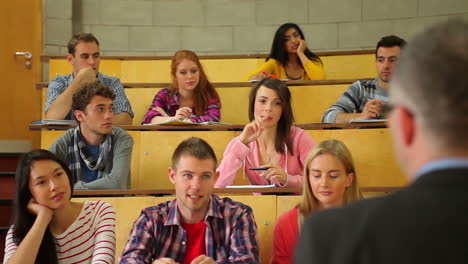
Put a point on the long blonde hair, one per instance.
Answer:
(338, 149)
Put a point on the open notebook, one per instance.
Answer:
(176, 122)
(367, 120)
(251, 186)
(54, 122)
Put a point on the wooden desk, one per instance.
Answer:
(217, 191)
(230, 127)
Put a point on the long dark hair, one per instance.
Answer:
(23, 218)
(283, 130)
(279, 51)
(204, 90)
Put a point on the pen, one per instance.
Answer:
(255, 169)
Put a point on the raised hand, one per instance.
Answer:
(251, 131)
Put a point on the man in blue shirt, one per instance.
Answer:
(84, 55)
(427, 222)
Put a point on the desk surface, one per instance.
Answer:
(161, 192)
(230, 127)
(230, 84)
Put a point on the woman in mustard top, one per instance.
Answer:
(290, 58)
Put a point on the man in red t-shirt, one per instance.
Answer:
(197, 227)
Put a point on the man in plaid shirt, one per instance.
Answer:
(196, 227)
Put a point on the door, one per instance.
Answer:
(20, 30)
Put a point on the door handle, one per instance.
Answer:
(26, 54)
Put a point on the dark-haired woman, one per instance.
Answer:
(290, 57)
(269, 141)
(48, 227)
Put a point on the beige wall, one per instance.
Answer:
(160, 27)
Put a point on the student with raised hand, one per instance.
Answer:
(197, 227)
(269, 141)
(329, 181)
(48, 227)
(290, 57)
(191, 97)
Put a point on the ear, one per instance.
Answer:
(70, 58)
(172, 175)
(407, 125)
(79, 115)
(349, 179)
(216, 176)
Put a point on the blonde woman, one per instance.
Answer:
(329, 181)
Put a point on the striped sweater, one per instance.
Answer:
(355, 98)
(90, 239)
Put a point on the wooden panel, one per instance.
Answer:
(217, 70)
(62, 67)
(349, 66)
(310, 102)
(229, 70)
(127, 210)
(286, 202)
(156, 150)
(49, 136)
(372, 152)
(146, 71)
(135, 164)
(264, 209)
(140, 100)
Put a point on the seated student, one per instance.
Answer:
(98, 154)
(290, 57)
(196, 227)
(365, 99)
(191, 97)
(329, 181)
(48, 227)
(84, 56)
(270, 141)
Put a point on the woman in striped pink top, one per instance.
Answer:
(48, 227)
(191, 97)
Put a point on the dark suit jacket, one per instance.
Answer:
(426, 222)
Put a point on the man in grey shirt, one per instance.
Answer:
(98, 154)
(365, 99)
